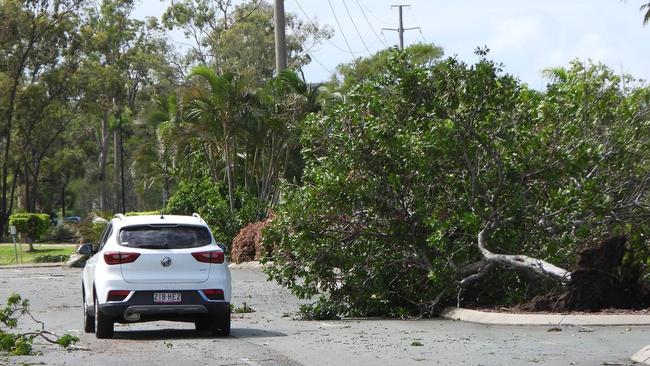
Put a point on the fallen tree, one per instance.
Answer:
(456, 184)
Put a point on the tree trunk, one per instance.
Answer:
(229, 172)
(63, 200)
(27, 190)
(116, 172)
(103, 157)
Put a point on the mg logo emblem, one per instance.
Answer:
(166, 262)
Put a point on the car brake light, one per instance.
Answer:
(209, 257)
(213, 294)
(117, 295)
(120, 257)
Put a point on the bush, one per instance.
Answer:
(61, 233)
(210, 200)
(142, 213)
(32, 225)
(247, 245)
(48, 258)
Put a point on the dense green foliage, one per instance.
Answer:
(31, 225)
(363, 68)
(49, 258)
(400, 180)
(210, 200)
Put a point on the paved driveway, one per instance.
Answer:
(270, 336)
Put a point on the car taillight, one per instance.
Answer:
(120, 257)
(213, 294)
(209, 257)
(117, 295)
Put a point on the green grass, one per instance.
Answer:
(7, 255)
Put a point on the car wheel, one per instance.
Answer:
(89, 321)
(202, 324)
(221, 325)
(103, 324)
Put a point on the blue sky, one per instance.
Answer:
(526, 36)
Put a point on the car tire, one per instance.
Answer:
(89, 321)
(221, 325)
(103, 324)
(202, 324)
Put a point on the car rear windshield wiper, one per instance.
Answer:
(152, 246)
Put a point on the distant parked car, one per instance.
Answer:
(73, 219)
(158, 267)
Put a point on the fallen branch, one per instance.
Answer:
(21, 343)
(522, 262)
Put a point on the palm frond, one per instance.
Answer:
(646, 17)
(555, 74)
(290, 79)
(218, 85)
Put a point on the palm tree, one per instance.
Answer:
(646, 17)
(217, 110)
(645, 8)
(155, 157)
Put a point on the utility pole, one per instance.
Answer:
(401, 28)
(280, 37)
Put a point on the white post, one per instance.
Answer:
(12, 231)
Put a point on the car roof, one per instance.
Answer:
(122, 220)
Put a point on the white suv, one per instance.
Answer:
(161, 267)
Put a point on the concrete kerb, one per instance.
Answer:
(248, 265)
(484, 317)
(643, 356)
(33, 265)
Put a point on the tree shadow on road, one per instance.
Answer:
(159, 334)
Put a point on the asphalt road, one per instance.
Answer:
(270, 336)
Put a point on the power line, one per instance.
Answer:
(311, 55)
(370, 25)
(355, 27)
(417, 22)
(376, 18)
(316, 26)
(340, 28)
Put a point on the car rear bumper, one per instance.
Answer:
(193, 305)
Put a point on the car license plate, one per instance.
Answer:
(166, 297)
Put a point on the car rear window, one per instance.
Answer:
(164, 237)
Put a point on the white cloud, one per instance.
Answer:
(515, 32)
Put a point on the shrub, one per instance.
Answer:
(32, 225)
(210, 200)
(247, 245)
(61, 233)
(49, 258)
(142, 213)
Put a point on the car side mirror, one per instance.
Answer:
(85, 249)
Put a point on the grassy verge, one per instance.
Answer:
(7, 255)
